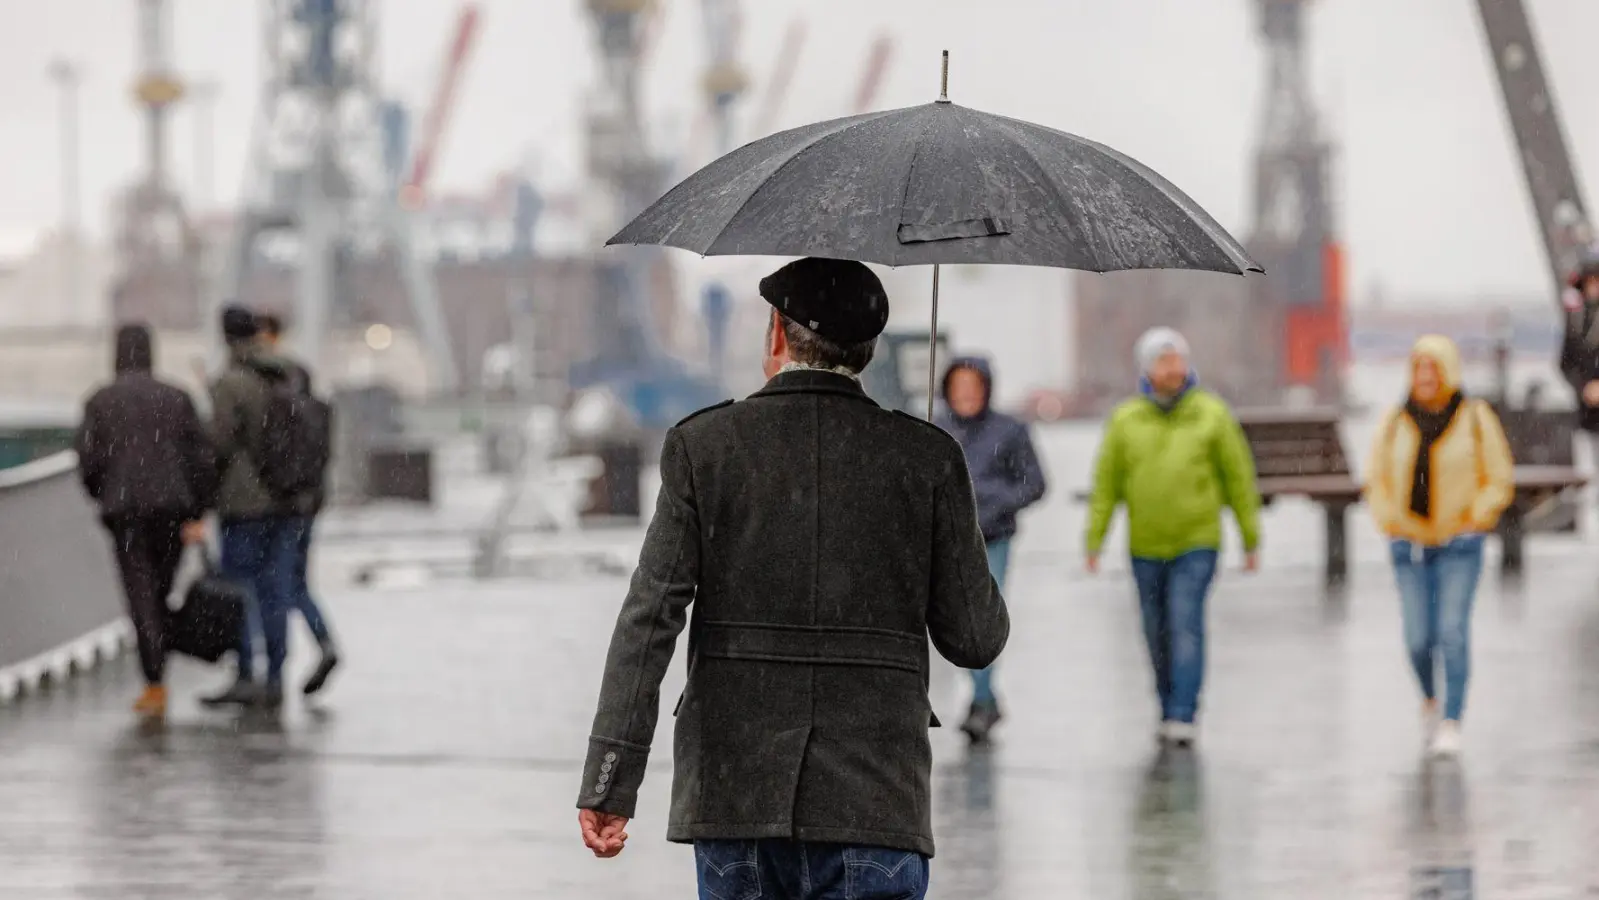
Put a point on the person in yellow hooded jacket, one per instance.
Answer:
(1439, 477)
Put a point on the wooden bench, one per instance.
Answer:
(1300, 453)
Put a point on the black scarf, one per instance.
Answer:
(1431, 425)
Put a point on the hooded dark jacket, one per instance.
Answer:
(238, 409)
(1579, 357)
(999, 452)
(142, 450)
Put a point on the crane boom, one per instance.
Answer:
(872, 79)
(1540, 139)
(782, 77)
(443, 103)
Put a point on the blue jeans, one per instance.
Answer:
(983, 679)
(258, 554)
(1171, 596)
(1437, 588)
(301, 589)
(778, 867)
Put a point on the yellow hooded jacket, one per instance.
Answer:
(1473, 477)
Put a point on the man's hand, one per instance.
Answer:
(1092, 564)
(194, 532)
(603, 833)
(1252, 561)
(1590, 393)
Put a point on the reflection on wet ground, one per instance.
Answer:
(444, 761)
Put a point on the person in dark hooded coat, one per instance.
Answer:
(1007, 478)
(145, 460)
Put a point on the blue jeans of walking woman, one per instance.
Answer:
(802, 870)
(1437, 589)
(983, 679)
(1171, 597)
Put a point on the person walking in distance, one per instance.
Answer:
(259, 540)
(145, 460)
(1007, 478)
(271, 336)
(821, 541)
(1439, 477)
(1174, 456)
(1579, 351)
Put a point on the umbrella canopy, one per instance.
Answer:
(935, 184)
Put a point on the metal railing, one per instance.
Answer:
(60, 599)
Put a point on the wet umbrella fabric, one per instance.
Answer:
(938, 183)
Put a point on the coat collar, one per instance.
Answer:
(813, 381)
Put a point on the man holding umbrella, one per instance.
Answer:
(821, 541)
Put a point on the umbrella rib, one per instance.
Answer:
(1060, 197)
(910, 176)
(843, 126)
(1196, 214)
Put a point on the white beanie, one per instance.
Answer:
(1157, 342)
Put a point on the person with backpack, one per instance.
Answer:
(270, 334)
(1439, 477)
(144, 459)
(259, 427)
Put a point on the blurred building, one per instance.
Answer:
(59, 284)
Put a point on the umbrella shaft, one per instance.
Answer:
(932, 349)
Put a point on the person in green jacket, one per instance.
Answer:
(1174, 456)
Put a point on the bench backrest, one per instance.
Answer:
(1295, 442)
(1540, 437)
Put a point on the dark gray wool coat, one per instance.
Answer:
(821, 541)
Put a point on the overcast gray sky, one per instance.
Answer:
(1432, 197)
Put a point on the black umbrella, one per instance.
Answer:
(935, 184)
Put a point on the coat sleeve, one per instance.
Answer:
(226, 427)
(88, 442)
(1571, 353)
(1378, 487)
(1236, 465)
(1107, 490)
(1024, 484)
(653, 614)
(199, 459)
(966, 616)
(1497, 474)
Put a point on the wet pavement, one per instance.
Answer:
(444, 760)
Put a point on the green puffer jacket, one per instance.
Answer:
(1175, 470)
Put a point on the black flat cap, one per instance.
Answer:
(841, 300)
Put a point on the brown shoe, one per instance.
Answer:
(152, 703)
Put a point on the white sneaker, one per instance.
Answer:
(1181, 734)
(1429, 722)
(1446, 741)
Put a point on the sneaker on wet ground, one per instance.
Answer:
(1446, 742)
(980, 721)
(1181, 734)
(241, 693)
(319, 676)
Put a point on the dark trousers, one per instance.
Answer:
(148, 550)
(800, 870)
(258, 554)
(303, 600)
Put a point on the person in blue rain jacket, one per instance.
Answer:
(1007, 478)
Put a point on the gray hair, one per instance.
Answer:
(811, 349)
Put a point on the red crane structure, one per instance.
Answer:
(427, 148)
